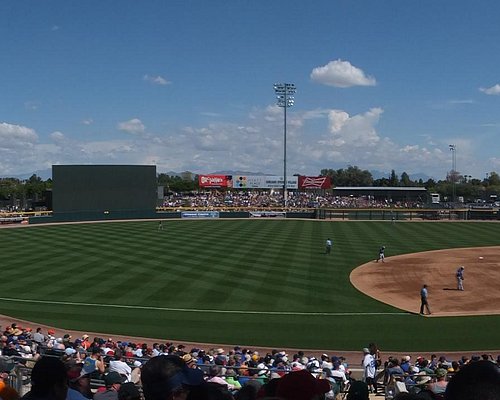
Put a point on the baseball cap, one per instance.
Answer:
(70, 351)
(301, 385)
(113, 377)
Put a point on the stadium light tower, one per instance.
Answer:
(453, 149)
(284, 95)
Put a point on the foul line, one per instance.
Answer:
(195, 310)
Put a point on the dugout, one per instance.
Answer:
(96, 192)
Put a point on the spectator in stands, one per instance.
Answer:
(232, 379)
(215, 373)
(423, 366)
(67, 341)
(94, 364)
(358, 390)
(393, 368)
(7, 392)
(301, 385)
(48, 380)
(12, 349)
(249, 390)
(369, 370)
(118, 365)
(168, 378)
(444, 363)
(210, 391)
(455, 367)
(128, 391)
(440, 383)
(113, 381)
(433, 364)
(337, 373)
(85, 343)
(79, 384)
(38, 336)
(477, 380)
(135, 376)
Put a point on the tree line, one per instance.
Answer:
(15, 192)
(464, 185)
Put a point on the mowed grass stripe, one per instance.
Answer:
(257, 265)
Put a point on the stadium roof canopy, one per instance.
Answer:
(405, 193)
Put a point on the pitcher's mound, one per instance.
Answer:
(398, 281)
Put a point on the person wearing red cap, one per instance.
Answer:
(301, 385)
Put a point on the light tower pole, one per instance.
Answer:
(284, 94)
(453, 149)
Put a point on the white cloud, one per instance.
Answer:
(316, 139)
(494, 90)
(16, 135)
(134, 126)
(357, 131)
(341, 74)
(87, 121)
(57, 136)
(156, 80)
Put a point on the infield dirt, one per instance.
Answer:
(399, 279)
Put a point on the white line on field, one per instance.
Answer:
(197, 310)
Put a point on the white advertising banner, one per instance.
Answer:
(264, 182)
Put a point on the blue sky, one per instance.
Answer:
(188, 85)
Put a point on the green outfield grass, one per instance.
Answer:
(251, 282)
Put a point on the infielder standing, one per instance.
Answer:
(460, 278)
(423, 300)
(381, 254)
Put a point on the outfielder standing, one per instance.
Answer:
(328, 248)
(460, 278)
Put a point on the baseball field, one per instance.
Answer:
(259, 282)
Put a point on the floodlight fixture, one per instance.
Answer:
(284, 95)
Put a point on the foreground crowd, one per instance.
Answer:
(102, 369)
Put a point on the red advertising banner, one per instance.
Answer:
(215, 181)
(315, 182)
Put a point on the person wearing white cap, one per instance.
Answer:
(460, 278)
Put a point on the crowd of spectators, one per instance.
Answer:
(274, 199)
(123, 370)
